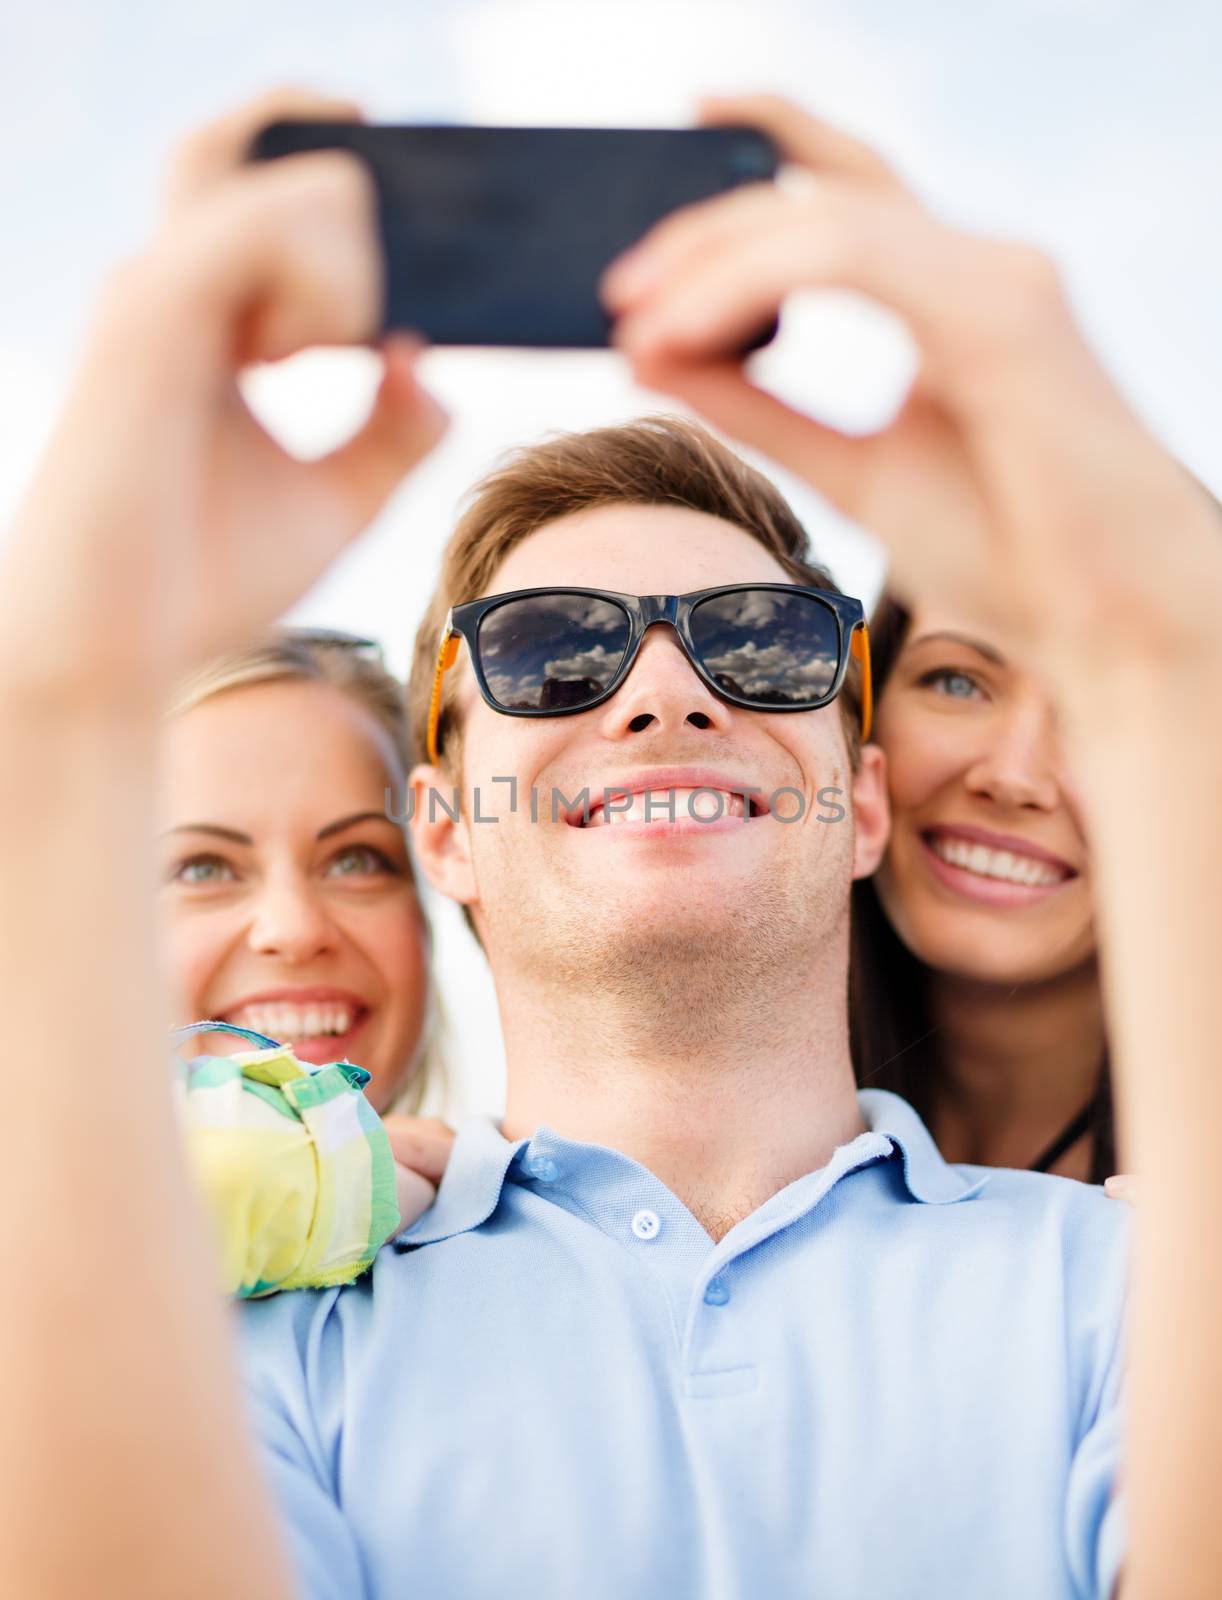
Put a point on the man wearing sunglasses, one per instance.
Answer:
(693, 1276)
(696, 1319)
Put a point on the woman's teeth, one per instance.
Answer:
(667, 805)
(280, 1021)
(1003, 864)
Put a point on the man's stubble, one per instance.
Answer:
(680, 970)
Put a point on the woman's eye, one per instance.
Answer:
(952, 683)
(198, 870)
(358, 861)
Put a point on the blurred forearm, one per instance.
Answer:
(1150, 760)
(114, 1355)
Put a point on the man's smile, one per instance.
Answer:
(672, 800)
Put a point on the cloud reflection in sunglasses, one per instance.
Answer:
(773, 648)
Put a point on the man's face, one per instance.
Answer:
(630, 894)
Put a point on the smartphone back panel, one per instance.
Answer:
(497, 236)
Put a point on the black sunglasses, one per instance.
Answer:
(553, 652)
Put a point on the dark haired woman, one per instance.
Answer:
(975, 984)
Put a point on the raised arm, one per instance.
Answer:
(1017, 482)
(163, 526)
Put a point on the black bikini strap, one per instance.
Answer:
(1068, 1136)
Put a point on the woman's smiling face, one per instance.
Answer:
(288, 899)
(986, 875)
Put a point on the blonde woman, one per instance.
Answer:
(290, 910)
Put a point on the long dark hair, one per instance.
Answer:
(895, 1042)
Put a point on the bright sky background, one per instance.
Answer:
(1092, 127)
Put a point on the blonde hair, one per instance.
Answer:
(356, 669)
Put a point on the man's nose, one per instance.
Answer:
(662, 693)
(1018, 765)
(290, 921)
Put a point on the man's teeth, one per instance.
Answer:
(281, 1021)
(667, 805)
(986, 863)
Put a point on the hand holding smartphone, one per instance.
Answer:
(498, 236)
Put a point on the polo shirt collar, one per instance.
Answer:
(928, 1177)
(471, 1187)
(482, 1156)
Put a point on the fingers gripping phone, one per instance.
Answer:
(498, 236)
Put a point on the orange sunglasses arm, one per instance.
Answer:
(859, 646)
(447, 654)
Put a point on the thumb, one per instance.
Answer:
(419, 1143)
(404, 425)
(414, 1195)
(1121, 1187)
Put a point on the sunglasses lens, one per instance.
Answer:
(767, 646)
(551, 652)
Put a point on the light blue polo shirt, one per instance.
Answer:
(897, 1378)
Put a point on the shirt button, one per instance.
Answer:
(543, 1168)
(716, 1294)
(646, 1225)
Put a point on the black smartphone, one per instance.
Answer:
(498, 236)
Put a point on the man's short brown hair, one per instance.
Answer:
(654, 461)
